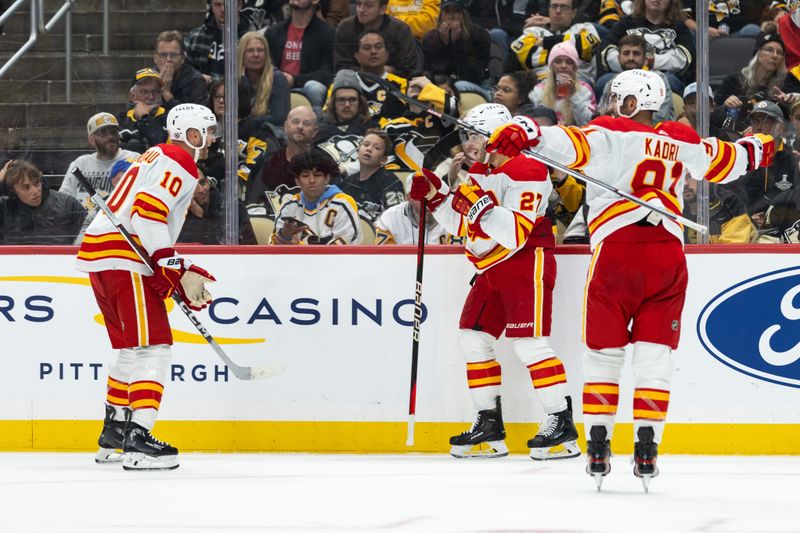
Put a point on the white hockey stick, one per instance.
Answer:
(242, 372)
(533, 155)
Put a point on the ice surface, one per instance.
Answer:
(61, 492)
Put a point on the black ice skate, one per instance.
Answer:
(486, 437)
(145, 452)
(556, 438)
(645, 454)
(110, 441)
(598, 454)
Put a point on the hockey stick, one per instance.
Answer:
(242, 372)
(412, 396)
(533, 155)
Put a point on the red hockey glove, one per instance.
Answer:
(472, 202)
(425, 185)
(174, 273)
(760, 150)
(512, 138)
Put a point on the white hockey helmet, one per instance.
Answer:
(185, 117)
(487, 118)
(646, 86)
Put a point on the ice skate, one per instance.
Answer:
(110, 441)
(645, 455)
(598, 455)
(556, 438)
(485, 439)
(145, 452)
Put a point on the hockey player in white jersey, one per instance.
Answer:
(637, 274)
(501, 212)
(151, 201)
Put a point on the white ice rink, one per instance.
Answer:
(49, 492)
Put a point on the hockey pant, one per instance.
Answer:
(652, 371)
(484, 374)
(136, 381)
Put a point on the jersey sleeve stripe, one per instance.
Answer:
(721, 165)
(580, 145)
(149, 207)
(497, 254)
(523, 228)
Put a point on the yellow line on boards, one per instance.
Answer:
(382, 437)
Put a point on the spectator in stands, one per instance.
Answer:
(303, 48)
(690, 110)
(373, 187)
(727, 215)
(182, 83)
(762, 185)
(334, 11)
(103, 135)
(257, 138)
(400, 225)
(571, 98)
(372, 56)
(144, 124)
(458, 47)
(761, 79)
(371, 15)
(504, 20)
(204, 45)
(320, 213)
(533, 47)
(268, 84)
(32, 213)
(205, 219)
(345, 120)
(274, 171)
(420, 15)
(794, 120)
(660, 22)
(736, 18)
(512, 90)
(632, 55)
(789, 29)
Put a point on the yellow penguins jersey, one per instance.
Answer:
(414, 134)
(150, 201)
(333, 219)
(650, 163)
(532, 48)
(398, 225)
(520, 188)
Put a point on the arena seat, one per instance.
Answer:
(297, 99)
(468, 100)
(263, 228)
(728, 55)
(367, 232)
(677, 105)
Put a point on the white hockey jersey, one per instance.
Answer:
(650, 163)
(332, 219)
(150, 201)
(520, 188)
(398, 225)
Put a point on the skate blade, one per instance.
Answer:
(598, 479)
(646, 483)
(565, 450)
(144, 462)
(483, 450)
(108, 456)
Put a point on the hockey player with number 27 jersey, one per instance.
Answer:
(150, 201)
(637, 274)
(501, 212)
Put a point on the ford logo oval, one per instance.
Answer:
(753, 327)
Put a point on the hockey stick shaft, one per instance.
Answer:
(241, 372)
(412, 396)
(533, 155)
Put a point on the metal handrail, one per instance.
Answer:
(38, 25)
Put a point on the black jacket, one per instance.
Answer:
(465, 59)
(316, 56)
(139, 135)
(188, 87)
(57, 220)
(763, 185)
(209, 229)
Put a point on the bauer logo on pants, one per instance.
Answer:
(754, 327)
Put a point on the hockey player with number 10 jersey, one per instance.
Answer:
(150, 201)
(501, 212)
(637, 274)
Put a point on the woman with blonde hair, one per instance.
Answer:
(572, 98)
(267, 84)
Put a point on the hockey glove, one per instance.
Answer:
(171, 273)
(472, 202)
(760, 150)
(512, 138)
(192, 288)
(425, 185)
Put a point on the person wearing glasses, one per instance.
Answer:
(541, 34)
(144, 123)
(182, 83)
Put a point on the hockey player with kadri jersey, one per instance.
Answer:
(637, 274)
(150, 201)
(501, 212)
